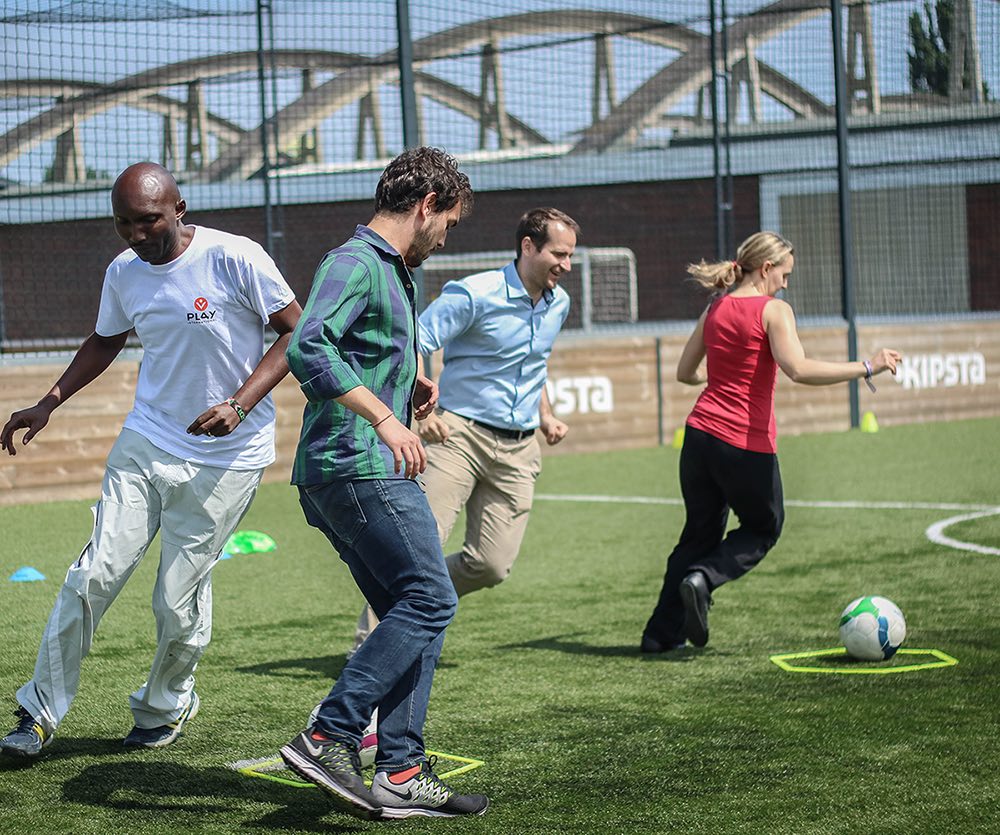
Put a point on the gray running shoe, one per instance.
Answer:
(369, 738)
(423, 793)
(164, 734)
(27, 739)
(334, 766)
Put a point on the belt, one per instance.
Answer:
(513, 434)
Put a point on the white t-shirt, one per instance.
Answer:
(201, 321)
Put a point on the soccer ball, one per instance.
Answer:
(872, 628)
(369, 740)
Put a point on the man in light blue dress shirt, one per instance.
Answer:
(496, 330)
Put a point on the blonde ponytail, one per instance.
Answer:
(722, 276)
(718, 276)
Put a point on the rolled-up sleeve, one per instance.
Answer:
(450, 314)
(338, 297)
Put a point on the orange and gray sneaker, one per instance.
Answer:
(334, 766)
(27, 739)
(419, 791)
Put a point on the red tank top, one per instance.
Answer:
(737, 405)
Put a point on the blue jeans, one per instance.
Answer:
(385, 532)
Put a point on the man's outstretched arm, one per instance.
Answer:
(90, 361)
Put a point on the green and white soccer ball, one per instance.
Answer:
(872, 628)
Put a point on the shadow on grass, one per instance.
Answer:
(63, 748)
(325, 666)
(565, 643)
(172, 791)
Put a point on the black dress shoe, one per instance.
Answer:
(650, 644)
(696, 599)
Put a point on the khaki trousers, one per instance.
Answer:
(493, 478)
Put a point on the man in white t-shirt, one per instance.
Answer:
(188, 460)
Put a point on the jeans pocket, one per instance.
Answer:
(338, 509)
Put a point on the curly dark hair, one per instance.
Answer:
(416, 173)
(534, 224)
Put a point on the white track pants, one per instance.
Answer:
(196, 508)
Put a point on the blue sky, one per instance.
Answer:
(547, 84)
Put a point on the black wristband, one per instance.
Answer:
(237, 408)
(868, 374)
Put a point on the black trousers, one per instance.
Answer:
(717, 477)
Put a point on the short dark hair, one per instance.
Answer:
(534, 224)
(416, 173)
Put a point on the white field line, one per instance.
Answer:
(849, 505)
(935, 533)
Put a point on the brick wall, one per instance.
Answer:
(52, 272)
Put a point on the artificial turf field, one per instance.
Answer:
(541, 679)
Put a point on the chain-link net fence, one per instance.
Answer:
(659, 139)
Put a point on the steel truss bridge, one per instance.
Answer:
(216, 149)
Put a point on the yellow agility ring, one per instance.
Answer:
(943, 660)
(273, 768)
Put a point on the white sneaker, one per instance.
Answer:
(369, 742)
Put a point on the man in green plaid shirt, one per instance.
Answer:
(354, 354)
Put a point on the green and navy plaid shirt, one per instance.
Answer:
(358, 328)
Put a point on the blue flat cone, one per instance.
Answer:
(27, 574)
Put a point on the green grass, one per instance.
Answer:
(541, 678)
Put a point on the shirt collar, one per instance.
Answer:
(515, 287)
(404, 275)
(376, 240)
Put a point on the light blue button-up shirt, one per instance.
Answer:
(496, 346)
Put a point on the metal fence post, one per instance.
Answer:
(720, 218)
(407, 84)
(659, 391)
(844, 204)
(265, 152)
(411, 127)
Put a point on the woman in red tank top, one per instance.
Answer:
(728, 460)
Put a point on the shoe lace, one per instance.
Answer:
(430, 784)
(338, 755)
(25, 722)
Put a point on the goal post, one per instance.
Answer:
(601, 285)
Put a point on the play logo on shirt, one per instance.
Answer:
(202, 313)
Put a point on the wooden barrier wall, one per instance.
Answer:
(606, 390)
